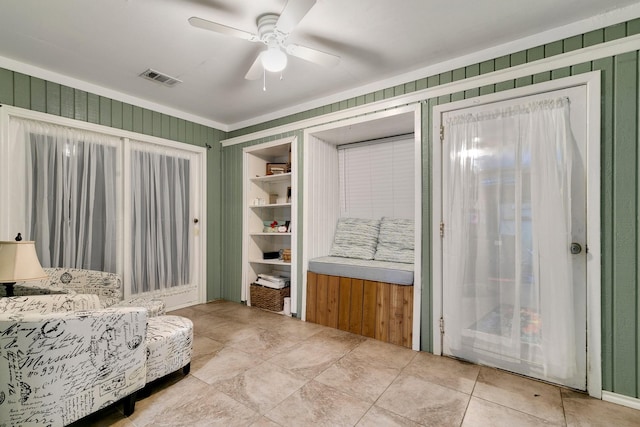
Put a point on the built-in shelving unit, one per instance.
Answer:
(268, 198)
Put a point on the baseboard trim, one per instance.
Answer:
(620, 399)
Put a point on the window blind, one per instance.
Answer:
(377, 178)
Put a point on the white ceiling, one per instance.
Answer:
(105, 45)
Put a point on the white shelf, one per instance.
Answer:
(272, 178)
(269, 234)
(269, 261)
(272, 205)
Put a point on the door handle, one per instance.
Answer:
(575, 248)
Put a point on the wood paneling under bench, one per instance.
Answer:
(379, 310)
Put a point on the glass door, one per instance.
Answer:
(163, 206)
(514, 214)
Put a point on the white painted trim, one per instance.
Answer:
(620, 399)
(594, 257)
(436, 240)
(568, 59)
(309, 137)
(75, 83)
(417, 219)
(592, 82)
(5, 232)
(580, 27)
(295, 199)
(204, 212)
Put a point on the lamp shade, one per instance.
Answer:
(273, 59)
(19, 262)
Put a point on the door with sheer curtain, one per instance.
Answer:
(514, 214)
(163, 228)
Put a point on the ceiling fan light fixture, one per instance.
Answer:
(274, 59)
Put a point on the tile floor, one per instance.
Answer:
(255, 368)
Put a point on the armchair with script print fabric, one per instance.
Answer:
(107, 286)
(62, 357)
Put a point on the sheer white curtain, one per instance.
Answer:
(508, 278)
(160, 221)
(71, 203)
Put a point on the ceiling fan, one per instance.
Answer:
(273, 31)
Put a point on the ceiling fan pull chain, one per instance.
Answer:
(281, 77)
(264, 80)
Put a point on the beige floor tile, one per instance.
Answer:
(337, 340)
(204, 346)
(522, 394)
(242, 313)
(191, 403)
(262, 387)
(299, 329)
(582, 410)
(445, 371)
(228, 331)
(265, 422)
(203, 325)
(160, 384)
(204, 349)
(424, 402)
(318, 405)
(358, 378)
(380, 353)
(253, 367)
(378, 417)
(309, 359)
(266, 344)
(226, 364)
(189, 312)
(482, 413)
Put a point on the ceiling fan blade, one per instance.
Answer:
(313, 55)
(256, 70)
(221, 29)
(293, 13)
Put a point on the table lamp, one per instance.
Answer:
(19, 262)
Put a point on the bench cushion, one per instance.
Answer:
(378, 271)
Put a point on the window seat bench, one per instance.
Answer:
(365, 297)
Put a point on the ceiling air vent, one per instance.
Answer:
(159, 77)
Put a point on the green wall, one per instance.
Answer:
(620, 186)
(31, 93)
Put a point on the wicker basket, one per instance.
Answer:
(268, 298)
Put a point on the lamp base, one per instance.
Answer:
(8, 289)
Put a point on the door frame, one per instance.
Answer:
(591, 82)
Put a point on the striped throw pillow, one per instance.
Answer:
(355, 238)
(395, 242)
